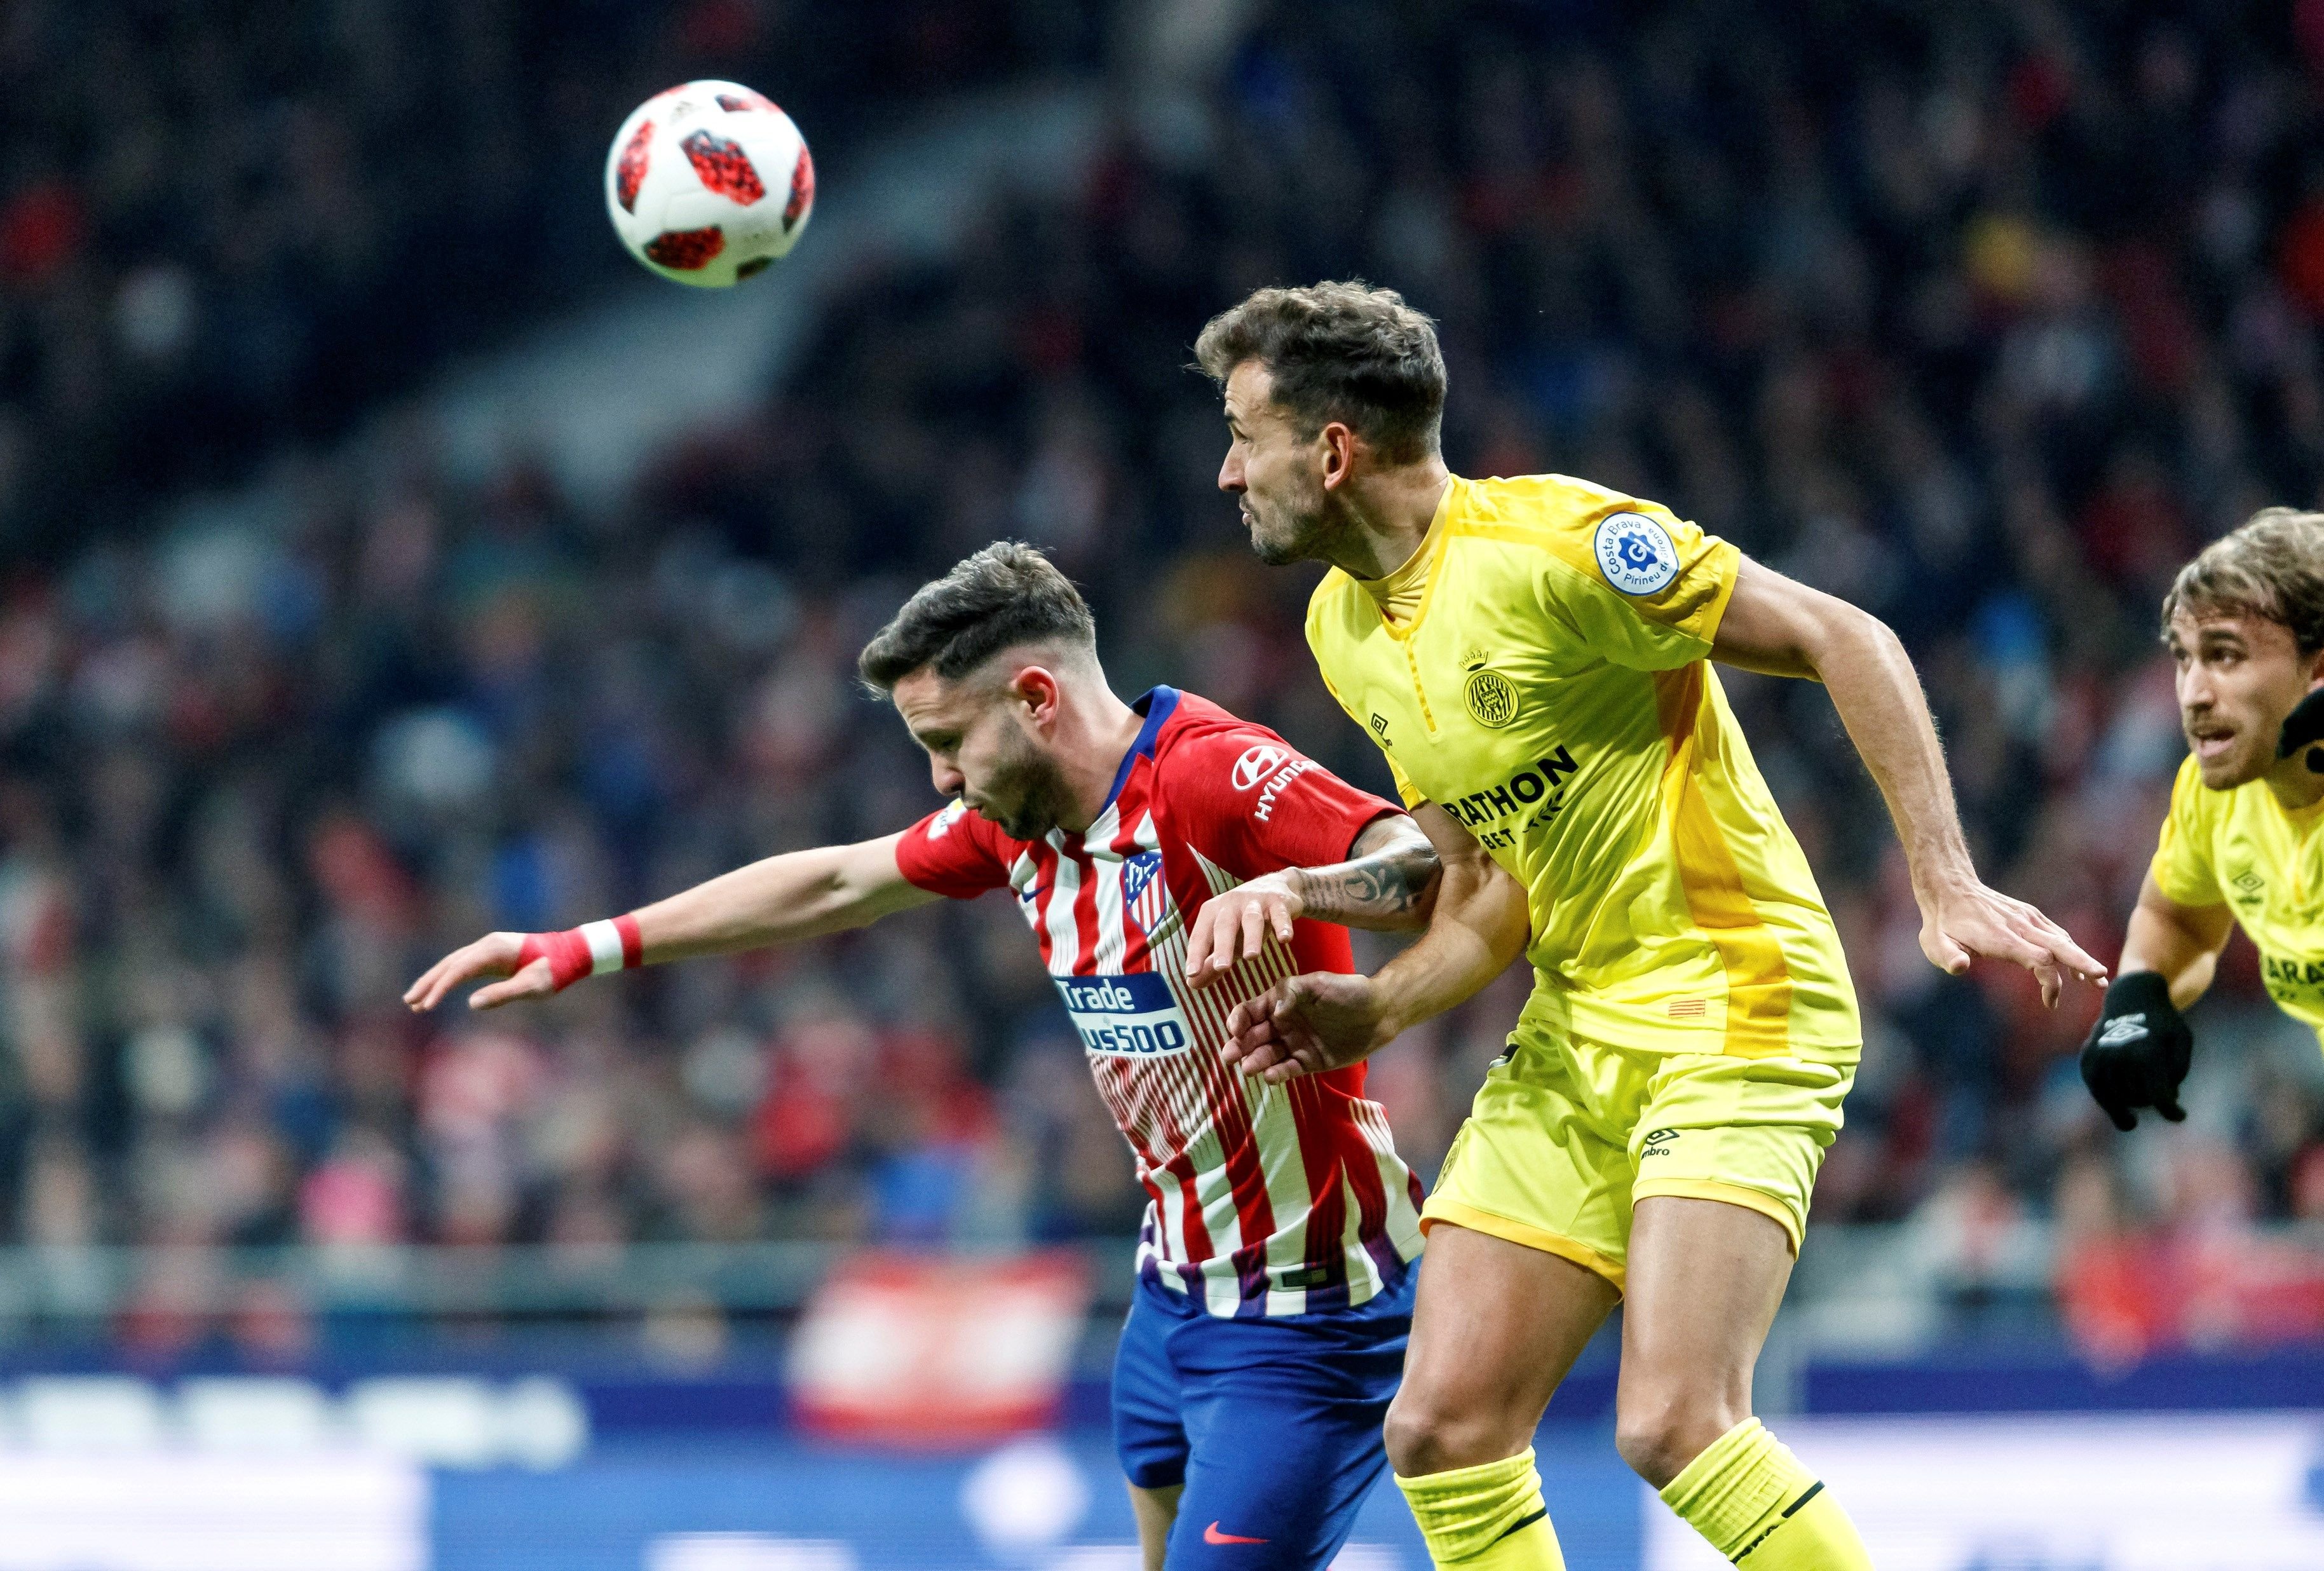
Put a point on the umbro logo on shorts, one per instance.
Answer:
(1658, 1143)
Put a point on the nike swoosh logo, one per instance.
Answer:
(1210, 1535)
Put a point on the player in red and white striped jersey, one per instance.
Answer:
(1275, 1288)
(1262, 1203)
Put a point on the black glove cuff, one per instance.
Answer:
(2138, 992)
(2303, 727)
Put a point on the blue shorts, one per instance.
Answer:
(1273, 1425)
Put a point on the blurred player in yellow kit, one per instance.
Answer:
(2244, 622)
(1532, 656)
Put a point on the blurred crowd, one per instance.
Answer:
(227, 225)
(1984, 317)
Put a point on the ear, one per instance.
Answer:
(1036, 688)
(1337, 443)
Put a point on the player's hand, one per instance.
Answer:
(1306, 1024)
(1965, 919)
(1234, 927)
(2138, 1051)
(495, 954)
(2303, 727)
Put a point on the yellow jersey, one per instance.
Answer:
(2244, 849)
(1550, 689)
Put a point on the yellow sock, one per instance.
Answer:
(1488, 1518)
(1751, 1498)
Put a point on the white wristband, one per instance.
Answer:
(604, 941)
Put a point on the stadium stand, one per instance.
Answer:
(1984, 316)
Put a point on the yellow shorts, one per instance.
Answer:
(1565, 1136)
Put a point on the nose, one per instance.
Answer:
(948, 779)
(1230, 479)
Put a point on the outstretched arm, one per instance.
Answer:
(1326, 1019)
(801, 894)
(1775, 626)
(1388, 883)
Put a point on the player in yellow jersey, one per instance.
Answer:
(2245, 622)
(1532, 656)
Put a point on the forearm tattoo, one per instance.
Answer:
(1393, 880)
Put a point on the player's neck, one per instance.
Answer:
(2293, 784)
(1387, 518)
(1103, 729)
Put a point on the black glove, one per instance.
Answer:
(2303, 727)
(2139, 1051)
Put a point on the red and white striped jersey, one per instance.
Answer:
(1263, 1200)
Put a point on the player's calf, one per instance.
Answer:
(1705, 1278)
(1496, 1327)
(1750, 1497)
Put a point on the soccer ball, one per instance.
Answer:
(708, 183)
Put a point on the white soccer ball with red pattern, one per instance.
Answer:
(708, 183)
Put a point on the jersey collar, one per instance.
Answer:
(1429, 556)
(1158, 704)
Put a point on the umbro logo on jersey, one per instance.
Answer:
(2122, 1029)
(1658, 1143)
(1379, 727)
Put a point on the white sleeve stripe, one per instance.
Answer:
(604, 941)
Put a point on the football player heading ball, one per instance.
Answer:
(1534, 657)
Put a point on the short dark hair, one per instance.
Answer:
(1006, 594)
(1340, 351)
(2273, 567)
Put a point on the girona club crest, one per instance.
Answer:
(1490, 697)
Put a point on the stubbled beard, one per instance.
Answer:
(2239, 768)
(1274, 554)
(1280, 548)
(1040, 798)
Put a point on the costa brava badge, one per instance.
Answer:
(1635, 552)
(1492, 698)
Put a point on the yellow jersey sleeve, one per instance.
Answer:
(2182, 865)
(1649, 591)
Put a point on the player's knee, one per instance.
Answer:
(1659, 1430)
(1427, 1437)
